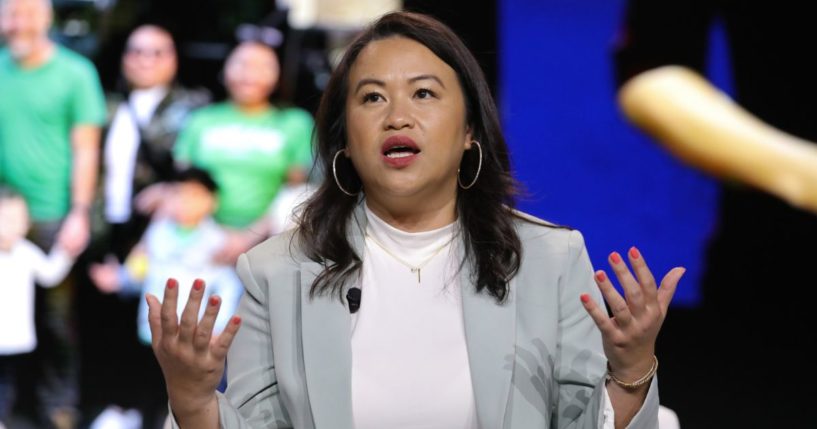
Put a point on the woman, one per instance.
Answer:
(250, 147)
(412, 294)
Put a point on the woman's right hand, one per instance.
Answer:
(192, 360)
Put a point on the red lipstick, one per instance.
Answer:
(399, 151)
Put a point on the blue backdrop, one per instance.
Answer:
(581, 163)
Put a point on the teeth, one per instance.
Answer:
(398, 154)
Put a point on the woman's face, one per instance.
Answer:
(150, 58)
(251, 74)
(405, 119)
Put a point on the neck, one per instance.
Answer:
(412, 217)
(189, 223)
(38, 56)
(253, 108)
(146, 89)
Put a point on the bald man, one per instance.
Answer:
(51, 110)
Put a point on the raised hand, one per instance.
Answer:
(192, 360)
(629, 335)
(106, 275)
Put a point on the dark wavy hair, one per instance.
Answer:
(485, 211)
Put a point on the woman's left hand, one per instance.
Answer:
(629, 334)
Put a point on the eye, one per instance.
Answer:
(424, 93)
(372, 97)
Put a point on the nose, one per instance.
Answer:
(399, 116)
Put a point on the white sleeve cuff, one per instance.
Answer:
(607, 415)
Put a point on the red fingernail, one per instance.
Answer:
(236, 320)
(634, 253)
(585, 298)
(198, 284)
(600, 276)
(213, 300)
(171, 283)
(615, 257)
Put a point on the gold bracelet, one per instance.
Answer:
(635, 384)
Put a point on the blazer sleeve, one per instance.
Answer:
(252, 398)
(580, 361)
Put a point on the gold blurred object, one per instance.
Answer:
(137, 265)
(705, 128)
(349, 14)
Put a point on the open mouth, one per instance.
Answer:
(399, 147)
(400, 151)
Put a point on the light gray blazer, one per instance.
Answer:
(536, 361)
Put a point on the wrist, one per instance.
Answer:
(80, 208)
(635, 377)
(190, 406)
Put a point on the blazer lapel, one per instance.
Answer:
(327, 345)
(490, 333)
(326, 338)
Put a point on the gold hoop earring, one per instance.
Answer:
(335, 174)
(479, 168)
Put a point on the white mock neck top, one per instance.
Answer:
(409, 358)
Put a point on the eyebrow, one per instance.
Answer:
(380, 83)
(427, 77)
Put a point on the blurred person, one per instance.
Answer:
(51, 109)
(139, 140)
(250, 147)
(762, 146)
(180, 242)
(137, 153)
(412, 294)
(21, 264)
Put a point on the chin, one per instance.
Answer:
(19, 50)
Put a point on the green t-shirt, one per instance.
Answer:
(38, 109)
(247, 155)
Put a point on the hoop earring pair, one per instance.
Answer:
(335, 174)
(459, 180)
(479, 169)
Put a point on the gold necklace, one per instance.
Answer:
(413, 268)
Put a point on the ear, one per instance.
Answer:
(469, 137)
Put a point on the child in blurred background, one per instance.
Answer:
(21, 264)
(180, 243)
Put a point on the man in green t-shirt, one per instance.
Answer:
(51, 110)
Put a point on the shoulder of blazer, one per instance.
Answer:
(540, 237)
(529, 226)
